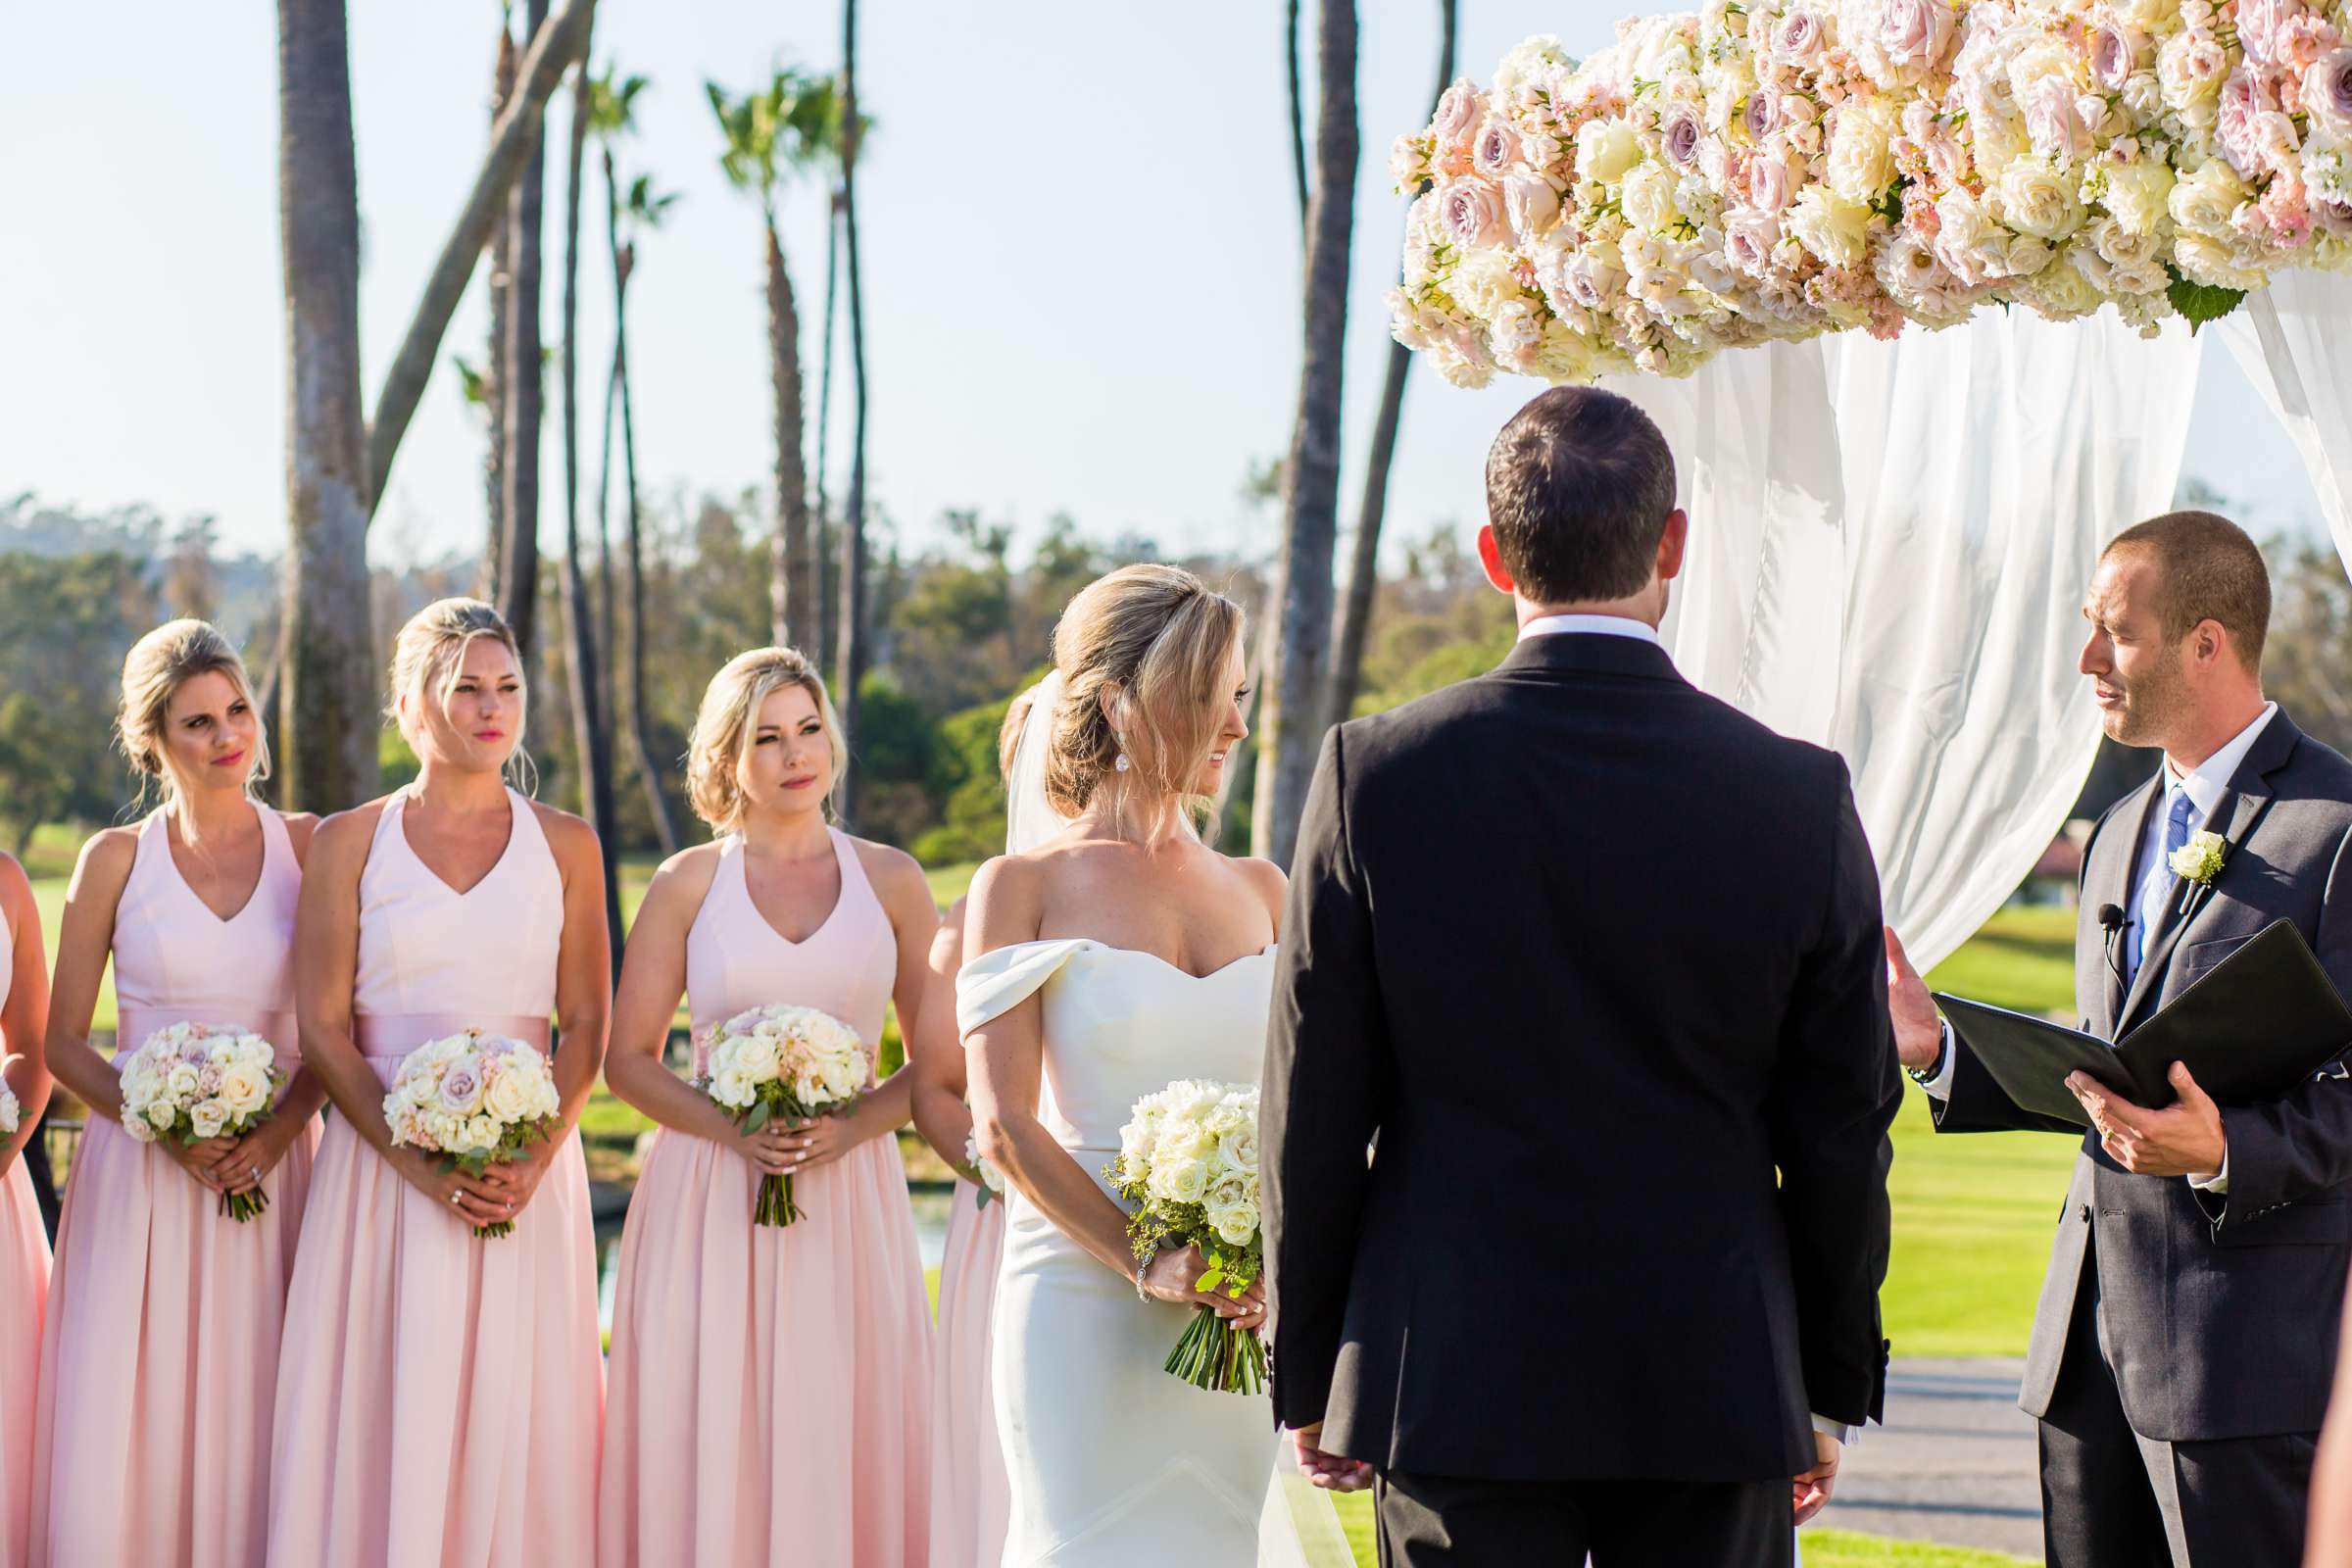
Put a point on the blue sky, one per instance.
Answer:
(1082, 261)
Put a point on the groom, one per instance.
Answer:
(1590, 964)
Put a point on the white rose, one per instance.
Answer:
(1861, 161)
(508, 1098)
(206, 1117)
(1648, 197)
(180, 1083)
(2204, 199)
(1530, 204)
(1183, 1182)
(2035, 198)
(2139, 192)
(732, 1089)
(756, 1056)
(2061, 294)
(1605, 149)
(1483, 283)
(243, 1090)
(2206, 259)
(1830, 226)
(480, 1133)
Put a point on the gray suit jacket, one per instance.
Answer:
(2218, 1314)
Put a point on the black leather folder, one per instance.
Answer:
(2258, 1023)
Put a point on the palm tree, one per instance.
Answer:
(1294, 701)
(522, 375)
(611, 117)
(592, 735)
(852, 663)
(1290, 40)
(828, 575)
(327, 663)
(487, 394)
(782, 129)
(1363, 568)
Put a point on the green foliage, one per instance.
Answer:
(66, 622)
(965, 770)
(2200, 303)
(788, 127)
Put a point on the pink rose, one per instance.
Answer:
(2241, 101)
(1590, 281)
(1749, 238)
(1529, 206)
(1457, 113)
(1680, 132)
(2333, 217)
(1770, 187)
(2274, 140)
(1762, 115)
(2258, 23)
(2302, 41)
(1798, 39)
(2052, 124)
(2328, 91)
(1914, 34)
(461, 1086)
(2288, 214)
(1472, 213)
(2116, 51)
(208, 1080)
(1496, 150)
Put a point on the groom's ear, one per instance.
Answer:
(1490, 556)
(1672, 543)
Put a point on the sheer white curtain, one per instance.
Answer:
(1888, 550)
(2294, 340)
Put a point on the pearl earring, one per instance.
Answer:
(1120, 764)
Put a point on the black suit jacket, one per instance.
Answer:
(2218, 1315)
(1597, 960)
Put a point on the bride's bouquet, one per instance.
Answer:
(1188, 1159)
(477, 1101)
(192, 1081)
(795, 1062)
(985, 1179)
(10, 1112)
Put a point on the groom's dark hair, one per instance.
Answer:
(1578, 487)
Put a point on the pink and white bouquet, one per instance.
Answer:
(477, 1101)
(1780, 168)
(191, 1081)
(1188, 1161)
(11, 1113)
(794, 1062)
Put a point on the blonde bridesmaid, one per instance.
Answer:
(439, 1396)
(24, 1244)
(970, 1501)
(770, 1384)
(159, 1350)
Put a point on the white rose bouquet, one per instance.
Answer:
(984, 1176)
(794, 1062)
(192, 1081)
(477, 1101)
(10, 1112)
(1188, 1160)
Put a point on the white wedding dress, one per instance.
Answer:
(1111, 1461)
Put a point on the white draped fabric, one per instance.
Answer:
(1890, 544)
(2292, 341)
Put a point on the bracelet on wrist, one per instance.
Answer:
(1143, 1267)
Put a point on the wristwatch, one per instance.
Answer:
(1923, 1076)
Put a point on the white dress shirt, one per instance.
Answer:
(1643, 631)
(2204, 787)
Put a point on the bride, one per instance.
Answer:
(1115, 953)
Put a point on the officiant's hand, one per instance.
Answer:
(1810, 1491)
(1332, 1471)
(1918, 1026)
(2187, 1140)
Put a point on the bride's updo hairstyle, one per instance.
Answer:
(723, 727)
(157, 666)
(428, 657)
(1144, 654)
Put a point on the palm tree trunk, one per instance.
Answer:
(793, 593)
(1290, 39)
(327, 722)
(494, 457)
(1363, 572)
(666, 827)
(524, 373)
(852, 527)
(1286, 758)
(552, 48)
(592, 739)
(607, 633)
(828, 576)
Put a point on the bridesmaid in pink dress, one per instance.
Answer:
(439, 1396)
(970, 1500)
(770, 1384)
(24, 1244)
(160, 1349)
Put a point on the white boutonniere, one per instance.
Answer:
(2199, 860)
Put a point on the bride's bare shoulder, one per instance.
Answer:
(1263, 878)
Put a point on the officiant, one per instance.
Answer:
(2184, 1345)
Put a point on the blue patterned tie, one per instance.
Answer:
(2176, 837)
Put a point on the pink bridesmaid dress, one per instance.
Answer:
(24, 1287)
(439, 1396)
(771, 1385)
(160, 1354)
(970, 1501)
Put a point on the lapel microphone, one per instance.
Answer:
(2111, 921)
